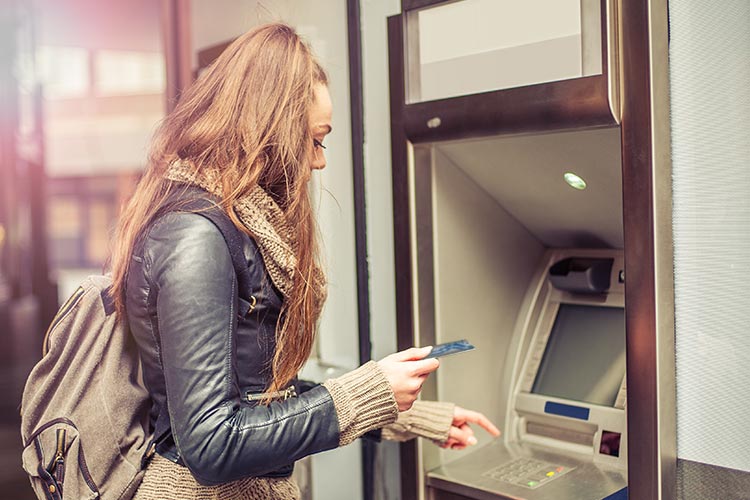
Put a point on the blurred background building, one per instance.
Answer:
(82, 85)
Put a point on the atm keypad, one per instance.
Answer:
(527, 472)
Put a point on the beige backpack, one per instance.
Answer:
(84, 413)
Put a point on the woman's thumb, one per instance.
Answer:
(414, 353)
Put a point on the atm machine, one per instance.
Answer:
(565, 432)
(531, 271)
(509, 232)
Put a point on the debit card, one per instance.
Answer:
(450, 348)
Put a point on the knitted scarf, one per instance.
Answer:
(266, 221)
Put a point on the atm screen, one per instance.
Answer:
(584, 359)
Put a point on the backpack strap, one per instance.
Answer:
(232, 236)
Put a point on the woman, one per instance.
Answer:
(220, 348)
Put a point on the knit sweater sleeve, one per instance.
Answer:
(427, 419)
(364, 401)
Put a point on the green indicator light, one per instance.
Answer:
(574, 181)
(532, 483)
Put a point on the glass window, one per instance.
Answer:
(128, 72)
(473, 46)
(64, 71)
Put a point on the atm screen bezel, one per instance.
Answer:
(531, 407)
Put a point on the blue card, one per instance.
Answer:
(450, 348)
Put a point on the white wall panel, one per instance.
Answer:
(710, 101)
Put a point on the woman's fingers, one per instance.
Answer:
(414, 359)
(412, 353)
(448, 443)
(461, 436)
(406, 371)
(462, 415)
(424, 366)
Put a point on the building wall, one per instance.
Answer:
(710, 103)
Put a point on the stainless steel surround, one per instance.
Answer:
(632, 91)
(649, 291)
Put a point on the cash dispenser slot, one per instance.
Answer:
(582, 275)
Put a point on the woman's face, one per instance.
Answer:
(320, 124)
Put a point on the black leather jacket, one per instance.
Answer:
(202, 356)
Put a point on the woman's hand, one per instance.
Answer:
(461, 435)
(406, 371)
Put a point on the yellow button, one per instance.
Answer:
(550, 474)
(52, 488)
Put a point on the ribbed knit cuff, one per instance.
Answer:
(364, 401)
(428, 419)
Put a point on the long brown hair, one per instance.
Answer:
(247, 117)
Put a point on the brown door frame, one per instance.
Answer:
(177, 48)
(647, 217)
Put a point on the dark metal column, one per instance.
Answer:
(650, 344)
(360, 220)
